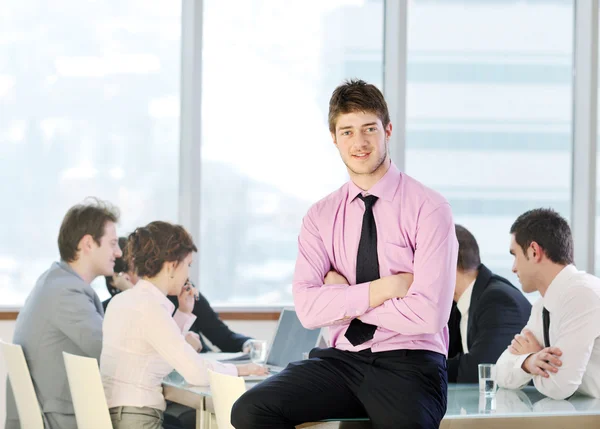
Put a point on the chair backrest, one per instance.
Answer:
(22, 387)
(225, 390)
(89, 402)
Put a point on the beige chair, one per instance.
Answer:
(22, 387)
(89, 402)
(225, 390)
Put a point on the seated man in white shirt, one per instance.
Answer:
(559, 348)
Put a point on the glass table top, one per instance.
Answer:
(465, 401)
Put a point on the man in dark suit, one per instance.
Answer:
(488, 311)
(209, 325)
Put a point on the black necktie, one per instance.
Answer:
(367, 269)
(546, 321)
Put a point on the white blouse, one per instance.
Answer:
(143, 343)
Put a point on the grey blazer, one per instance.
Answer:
(62, 313)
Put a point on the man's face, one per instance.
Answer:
(362, 141)
(103, 256)
(523, 265)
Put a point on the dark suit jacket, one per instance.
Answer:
(208, 324)
(498, 311)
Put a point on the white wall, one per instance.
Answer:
(256, 329)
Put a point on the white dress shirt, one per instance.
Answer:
(573, 300)
(463, 304)
(143, 343)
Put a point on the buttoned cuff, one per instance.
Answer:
(357, 299)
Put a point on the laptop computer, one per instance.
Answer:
(290, 341)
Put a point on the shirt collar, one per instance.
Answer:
(464, 302)
(384, 189)
(552, 297)
(145, 285)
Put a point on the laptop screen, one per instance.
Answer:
(291, 340)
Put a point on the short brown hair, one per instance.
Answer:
(549, 230)
(149, 247)
(357, 96)
(468, 249)
(83, 219)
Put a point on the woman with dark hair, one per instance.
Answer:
(207, 323)
(143, 340)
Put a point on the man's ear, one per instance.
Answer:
(334, 138)
(86, 243)
(536, 252)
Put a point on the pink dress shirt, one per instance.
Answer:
(415, 234)
(143, 343)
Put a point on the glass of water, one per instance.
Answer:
(487, 404)
(487, 379)
(258, 351)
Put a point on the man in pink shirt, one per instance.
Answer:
(377, 265)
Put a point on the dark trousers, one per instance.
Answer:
(395, 389)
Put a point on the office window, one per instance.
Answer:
(597, 239)
(269, 70)
(489, 111)
(89, 106)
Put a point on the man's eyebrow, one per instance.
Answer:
(347, 127)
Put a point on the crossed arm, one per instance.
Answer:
(556, 371)
(416, 305)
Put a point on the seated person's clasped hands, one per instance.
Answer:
(541, 360)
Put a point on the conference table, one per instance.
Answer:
(467, 409)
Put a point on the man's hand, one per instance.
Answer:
(334, 278)
(251, 369)
(122, 281)
(389, 287)
(524, 344)
(193, 340)
(543, 362)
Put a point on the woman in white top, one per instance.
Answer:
(143, 340)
